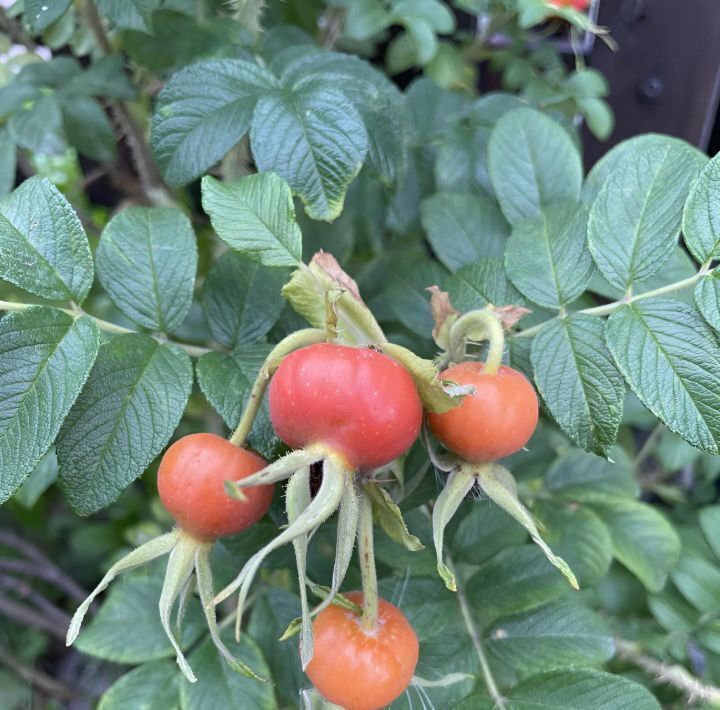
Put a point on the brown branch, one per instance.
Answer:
(29, 617)
(37, 678)
(26, 592)
(676, 675)
(150, 179)
(15, 31)
(44, 567)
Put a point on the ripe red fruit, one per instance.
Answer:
(579, 5)
(495, 421)
(191, 482)
(356, 401)
(357, 668)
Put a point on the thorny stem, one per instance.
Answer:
(675, 675)
(493, 333)
(611, 307)
(366, 553)
(475, 637)
(107, 326)
(294, 341)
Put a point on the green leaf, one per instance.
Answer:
(255, 216)
(43, 247)
(532, 162)
(226, 381)
(366, 18)
(709, 519)
(45, 359)
(707, 298)
(581, 690)
(461, 160)
(613, 159)
(547, 257)
(39, 480)
(643, 540)
(598, 115)
(407, 293)
(87, 127)
(40, 14)
(379, 103)
(203, 111)
(635, 219)
(8, 161)
(38, 128)
(390, 519)
(701, 219)
(581, 477)
(463, 228)
(516, 579)
(105, 78)
(129, 14)
(127, 628)
(561, 634)
(578, 380)
(242, 299)
(134, 399)
(154, 684)
(219, 686)
(434, 109)
(146, 261)
(433, 12)
(315, 139)
(485, 281)
(576, 533)
(484, 531)
(671, 360)
(698, 580)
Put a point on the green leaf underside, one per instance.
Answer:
(134, 399)
(226, 381)
(554, 243)
(485, 281)
(643, 540)
(255, 216)
(463, 228)
(559, 635)
(203, 112)
(707, 298)
(578, 380)
(581, 690)
(315, 139)
(45, 359)
(532, 162)
(635, 219)
(241, 299)
(614, 158)
(671, 360)
(154, 684)
(701, 216)
(43, 247)
(146, 260)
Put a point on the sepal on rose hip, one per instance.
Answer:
(498, 484)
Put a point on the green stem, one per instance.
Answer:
(466, 326)
(476, 640)
(366, 552)
(106, 326)
(611, 307)
(294, 341)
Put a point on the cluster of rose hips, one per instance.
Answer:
(352, 410)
